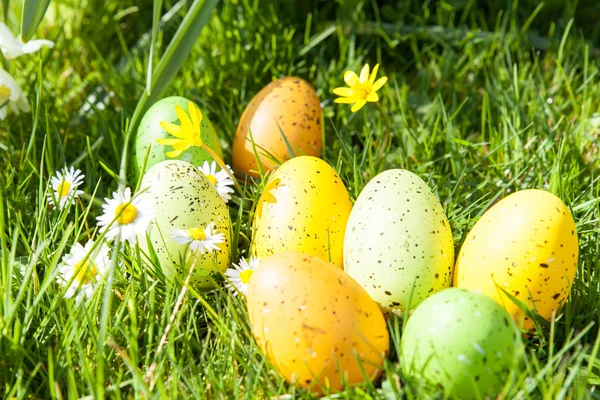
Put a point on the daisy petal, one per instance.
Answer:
(351, 78)
(343, 91)
(34, 45)
(379, 83)
(358, 105)
(364, 74)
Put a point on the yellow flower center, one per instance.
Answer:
(246, 275)
(197, 234)
(4, 93)
(212, 179)
(85, 272)
(63, 189)
(125, 213)
(362, 91)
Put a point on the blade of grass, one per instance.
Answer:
(33, 14)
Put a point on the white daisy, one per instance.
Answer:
(239, 276)
(12, 47)
(64, 187)
(11, 96)
(220, 180)
(199, 239)
(85, 267)
(125, 215)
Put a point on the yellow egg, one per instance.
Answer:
(314, 322)
(304, 207)
(526, 245)
(289, 105)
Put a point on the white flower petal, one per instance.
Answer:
(142, 223)
(12, 47)
(34, 45)
(11, 95)
(235, 283)
(73, 178)
(98, 258)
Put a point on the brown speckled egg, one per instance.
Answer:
(314, 323)
(304, 207)
(289, 105)
(185, 199)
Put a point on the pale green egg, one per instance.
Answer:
(398, 241)
(184, 198)
(460, 342)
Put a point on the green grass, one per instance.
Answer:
(482, 101)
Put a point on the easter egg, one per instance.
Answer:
(314, 323)
(304, 207)
(398, 244)
(286, 107)
(526, 245)
(460, 342)
(185, 200)
(150, 130)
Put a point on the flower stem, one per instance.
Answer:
(386, 138)
(163, 339)
(223, 166)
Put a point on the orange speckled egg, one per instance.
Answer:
(526, 245)
(289, 105)
(316, 324)
(304, 207)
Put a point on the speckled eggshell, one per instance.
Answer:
(526, 245)
(397, 238)
(150, 130)
(309, 316)
(184, 198)
(304, 207)
(460, 342)
(289, 105)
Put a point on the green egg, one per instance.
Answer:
(460, 342)
(184, 198)
(398, 244)
(150, 130)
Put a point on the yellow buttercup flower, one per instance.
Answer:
(361, 89)
(187, 134)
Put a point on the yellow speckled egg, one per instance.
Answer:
(185, 200)
(526, 244)
(289, 105)
(315, 323)
(304, 207)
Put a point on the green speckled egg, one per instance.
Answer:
(460, 342)
(397, 238)
(150, 130)
(185, 199)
